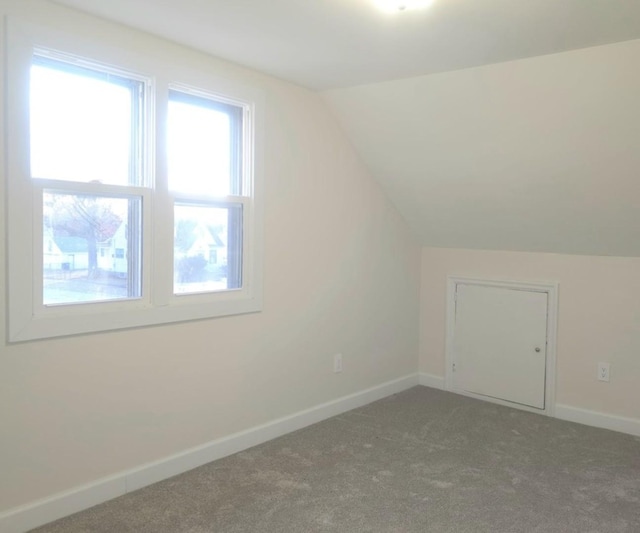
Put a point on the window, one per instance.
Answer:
(204, 143)
(132, 201)
(86, 127)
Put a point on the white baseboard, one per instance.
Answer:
(26, 517)
(430, 380)
(622, 424)
(599, 420)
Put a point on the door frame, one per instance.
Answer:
(551, 289)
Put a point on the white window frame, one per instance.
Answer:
(28, 318)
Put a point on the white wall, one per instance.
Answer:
(341, 274)
(598, 318)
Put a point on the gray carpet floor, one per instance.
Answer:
(422, 460)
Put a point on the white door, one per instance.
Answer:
(499, 343)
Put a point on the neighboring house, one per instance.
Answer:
(64, 253)
(202, 240)
(112, 253)
(72, 253)
(200, 255)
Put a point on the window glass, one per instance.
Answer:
(207, 248)
(204, 145)
(84, 124)
(91, 249)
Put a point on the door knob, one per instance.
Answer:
(537, 349)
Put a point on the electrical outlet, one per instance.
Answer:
(603, 371)
(337, 363)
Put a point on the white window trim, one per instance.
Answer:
(28, 319)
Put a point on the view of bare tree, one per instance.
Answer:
(92, 218)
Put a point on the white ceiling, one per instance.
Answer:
(323, 44)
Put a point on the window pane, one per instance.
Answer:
(204, 146)
(207, 248)
(82, 124)
(91, 248)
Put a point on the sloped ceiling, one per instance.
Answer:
(540, 154)
(494, 124)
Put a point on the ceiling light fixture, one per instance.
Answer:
(394, 6)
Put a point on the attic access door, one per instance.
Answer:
(499, 346)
